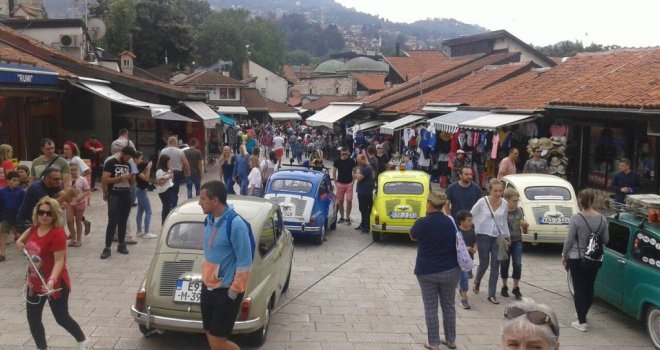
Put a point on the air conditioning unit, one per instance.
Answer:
(69, 40)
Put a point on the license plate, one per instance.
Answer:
(402, 215)
(554, 220)
(188, 291)
(288, 210)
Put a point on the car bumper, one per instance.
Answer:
(171, 323)
(302, 228)
(385, 228)
(544, 237)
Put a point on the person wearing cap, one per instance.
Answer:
(93, 150)
(536, 164)
(508, 164)
(458, 164)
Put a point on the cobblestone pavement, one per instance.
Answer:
(347, 294)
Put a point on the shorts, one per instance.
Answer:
(279, 153)
(80, 206)
(218, 311)
(6, 226)
(344, 190)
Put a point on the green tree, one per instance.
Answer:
(196, 11)
(298, 57)
(267, 44)
(120, 21)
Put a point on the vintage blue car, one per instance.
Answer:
(307, 200)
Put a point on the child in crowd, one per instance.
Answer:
(23, 176)
(11, 197)
(76, 209)
(464, 218)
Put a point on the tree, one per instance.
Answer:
(195, 11)
(298, 57)
(267, 44)
(120, 21)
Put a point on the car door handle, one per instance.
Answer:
(621, 261)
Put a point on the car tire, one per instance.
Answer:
(376, 236)
(258, 338)
(569, 283)
(318, 239)
(653, 325)
(333, 226)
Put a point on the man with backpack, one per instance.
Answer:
(228, 253)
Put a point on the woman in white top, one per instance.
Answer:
(268, 167)
(255, 182)
(71, 153)
(490, 221)
(164, 184)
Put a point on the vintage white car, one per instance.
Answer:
(169, 296)
(548, 202)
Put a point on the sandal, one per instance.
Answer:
(71, 243)
(77, 244)
(475, 289)
(493, 300)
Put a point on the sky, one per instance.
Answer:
(629, 23)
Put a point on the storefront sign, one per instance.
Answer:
(18, 74)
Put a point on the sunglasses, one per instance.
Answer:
(538, 318)
(44, 212)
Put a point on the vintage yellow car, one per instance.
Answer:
(169, 296)
(400, 200)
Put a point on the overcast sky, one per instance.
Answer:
(631, 23)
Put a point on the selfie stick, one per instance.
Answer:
(49, 292)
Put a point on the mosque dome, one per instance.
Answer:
(364, 64)
(328, 67)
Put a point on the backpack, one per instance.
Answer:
(230, 218)
(593, 255)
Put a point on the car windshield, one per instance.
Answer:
(186, 235)
(291, 185)
(403, 188)
(547, 193)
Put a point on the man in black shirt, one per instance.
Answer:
(625, 182)
(342, 174)
(49, 185)
(383, 160)
(365, 186)
(117, 182)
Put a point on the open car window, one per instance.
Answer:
(291, 185)
(186, 235)
(536, 193)
(403, 188)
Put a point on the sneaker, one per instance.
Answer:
(505, 292)
(88, 227)
(106, 253)
(149, 236)
(83, 345)
(465, 304)
(340, 221)
(516, 293)
(130, 241)
(121, 249)
(448, 344)
(348, 221)
(580, 326)
(139, 234)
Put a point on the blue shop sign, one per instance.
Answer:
(19, 74)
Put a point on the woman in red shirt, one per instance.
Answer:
(45, 243)
(6, 165)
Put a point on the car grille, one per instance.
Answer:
(300, 205)
(565, 211)
(277, 200)
(390, 204)
(540, 211)
(170, 273)
(415, 205)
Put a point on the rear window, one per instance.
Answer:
(290, 185)
(186, 235)
(403, 188)
(548, 193)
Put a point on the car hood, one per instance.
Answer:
(300, 207)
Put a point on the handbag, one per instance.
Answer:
(586, 262)
(462, 255)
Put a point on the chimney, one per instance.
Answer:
(126, 59)
(246, 69)
(397, 49)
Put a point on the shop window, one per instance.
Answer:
(646, 249)
(619, 238)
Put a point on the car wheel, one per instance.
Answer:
(376, 236)
(333, 226)
(653, 325)
(569, 282)
(318, 240)
(258, 338)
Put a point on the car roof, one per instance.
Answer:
(406, 174)
(299, 174)
(526, 180)
(249, 208)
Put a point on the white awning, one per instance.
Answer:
(449, 122)
(494, 121)
(232, 110)
(390, 127)
(146, 114)
(203, 111)
(333, 113)
(440, 107)
(368, 125)
(107, 92)
(281, 116)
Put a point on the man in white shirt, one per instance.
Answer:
(278, 147)
(180, 166)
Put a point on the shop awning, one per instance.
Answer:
(494, 121)
(449, 122)
(146, 114)
(27, 75)
(333, 113)
(280, 116)
(225, 119)
(440, 107)
(109, 93)
(390, 127)
(368, 125)
(232, 110)
(202, 110)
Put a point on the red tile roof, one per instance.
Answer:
(324, 101)
(208, 78)
(252, 99)
(419, 61)
(10, 54)
(373, 82)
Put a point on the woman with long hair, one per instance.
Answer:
(71, 153)
(142, 184)
(6, 165)
(581, 226)
(45, 243)
(164, 184)
(255, 179)
(227, 161)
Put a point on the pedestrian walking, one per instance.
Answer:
(227, 163)
(517, 228)
(465, 225)
(625, 182)
(529, 325)
(6, 164)
(462, 194)
(45, 243)
(76, 209)
(164, 185)
(508, 164)
(71, 153)
(226, 267)
(383, 160)
(364, 189)
(117, 181)
(278, 147)
(122, 141)
(142, 187)
(242, 170)
(50, 159)
(11, 197)
(490, 222)
(342, 175)
(255, 180)
(196, 162)
(436, 269)
(577, 246)
(536, 164)
(267, 167)
(180, 167)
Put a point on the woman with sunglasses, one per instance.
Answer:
(45, 242)
(529, 325)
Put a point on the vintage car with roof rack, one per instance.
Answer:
(307, 199)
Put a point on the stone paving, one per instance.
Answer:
(349, 293)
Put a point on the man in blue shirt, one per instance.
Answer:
(625, 182)
(462, 194)
(49, 185)
(226, 267)
(364, 189)
(242, 170)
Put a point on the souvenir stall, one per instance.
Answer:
(411, 137)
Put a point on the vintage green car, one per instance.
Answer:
(400, 200)
(168, 298)
(629, 277)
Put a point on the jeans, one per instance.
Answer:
(166, 200)
(179, 178)
(119, 207)
(365, 203)
(143, 209)
(583, 286)
(229, 183)
(515, 255)
(442, 286)
(243, 183)
(193, 180)
(487, 247)
(60, 308)
(463, 282)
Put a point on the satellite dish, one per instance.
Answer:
(95, 28)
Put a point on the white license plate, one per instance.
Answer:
(402, 215)
(288, 210)
(188, 291)
(554, 220)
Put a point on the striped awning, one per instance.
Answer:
(449, 122)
